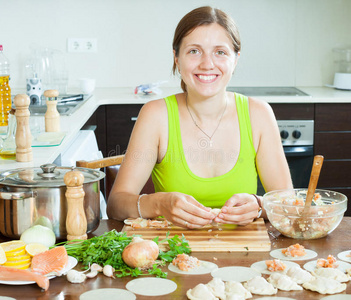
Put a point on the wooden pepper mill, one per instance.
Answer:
(52, 116)
(76, 221)
(23, 135)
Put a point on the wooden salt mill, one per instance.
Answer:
(52, 116)
(23, 135)
(76, 221)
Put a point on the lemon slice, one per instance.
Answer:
(15, 253)
(13, 246)
(2, 256)
(17, 258)
(36, 248)
(16, 263)
(20, 266)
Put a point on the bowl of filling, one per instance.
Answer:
(287, 213)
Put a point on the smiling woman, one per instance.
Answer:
(205, 146)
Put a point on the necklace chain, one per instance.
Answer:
(219, 122)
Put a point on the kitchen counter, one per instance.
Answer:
(108, 96)
(60, 288)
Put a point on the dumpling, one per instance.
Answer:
(299, 275)
(331, 273)
(324, 285)
(216, 286)
(236, 288)
(200, 292)
(235, 297)
(283, 282)
(260, 286)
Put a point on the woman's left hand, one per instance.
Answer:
(240, 209)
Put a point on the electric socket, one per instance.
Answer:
(81, 45)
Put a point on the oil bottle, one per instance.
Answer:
(5, 91)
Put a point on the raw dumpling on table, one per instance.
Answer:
(260, 286)
(235, 297)
(200, 292)
(236, 288)
(283, 282)
(299, 275)
(331, 273)
(324, 285)
(216, 286)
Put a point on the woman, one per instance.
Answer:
(204, 146)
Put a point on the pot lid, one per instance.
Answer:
(48, 175)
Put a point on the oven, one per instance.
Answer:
(297, 140)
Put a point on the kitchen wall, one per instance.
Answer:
(284, 43)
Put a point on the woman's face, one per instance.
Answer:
(206, 60)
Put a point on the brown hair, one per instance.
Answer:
(204, 15)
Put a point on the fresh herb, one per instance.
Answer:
(107, 250)
(177, 245)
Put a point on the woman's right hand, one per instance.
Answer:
(184, 211)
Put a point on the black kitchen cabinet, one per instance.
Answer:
(333, 141)
(114, 125)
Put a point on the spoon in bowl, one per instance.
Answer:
(302, 222)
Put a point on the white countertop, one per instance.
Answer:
(105, 96)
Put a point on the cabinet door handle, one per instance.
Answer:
(133, 119)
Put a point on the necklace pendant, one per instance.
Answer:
(211, 143)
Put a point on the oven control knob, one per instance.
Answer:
(284, 134)
(296, 134)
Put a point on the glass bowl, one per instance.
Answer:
(284, 209)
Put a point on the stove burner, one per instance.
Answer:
(269, 91)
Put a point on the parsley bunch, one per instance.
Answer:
(107, 250)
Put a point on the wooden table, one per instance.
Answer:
(60, 288)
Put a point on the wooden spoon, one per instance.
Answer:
(302, 223)
(316, 170)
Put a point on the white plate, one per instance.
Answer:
(72, 262)
(279, 255)
(261, 267)
(240, 274)
(107, 294)
(342, 255)
(276, 298)
(151, 286)
(312, 265)
(205, 267)
(337, 297)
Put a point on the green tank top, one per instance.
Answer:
(173, 174)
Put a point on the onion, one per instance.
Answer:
(140, 253)
(39, 234)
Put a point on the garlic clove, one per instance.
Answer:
(91, 274)
(108, 271)
(96, 267)
(74, 276)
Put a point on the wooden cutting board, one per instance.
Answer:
(221, 238)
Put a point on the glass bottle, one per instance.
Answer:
(8, 150)
(5, 90)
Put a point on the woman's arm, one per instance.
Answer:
(145, 149)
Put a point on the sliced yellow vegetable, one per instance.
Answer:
(36, 248)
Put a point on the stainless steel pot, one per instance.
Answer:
(30, 196)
